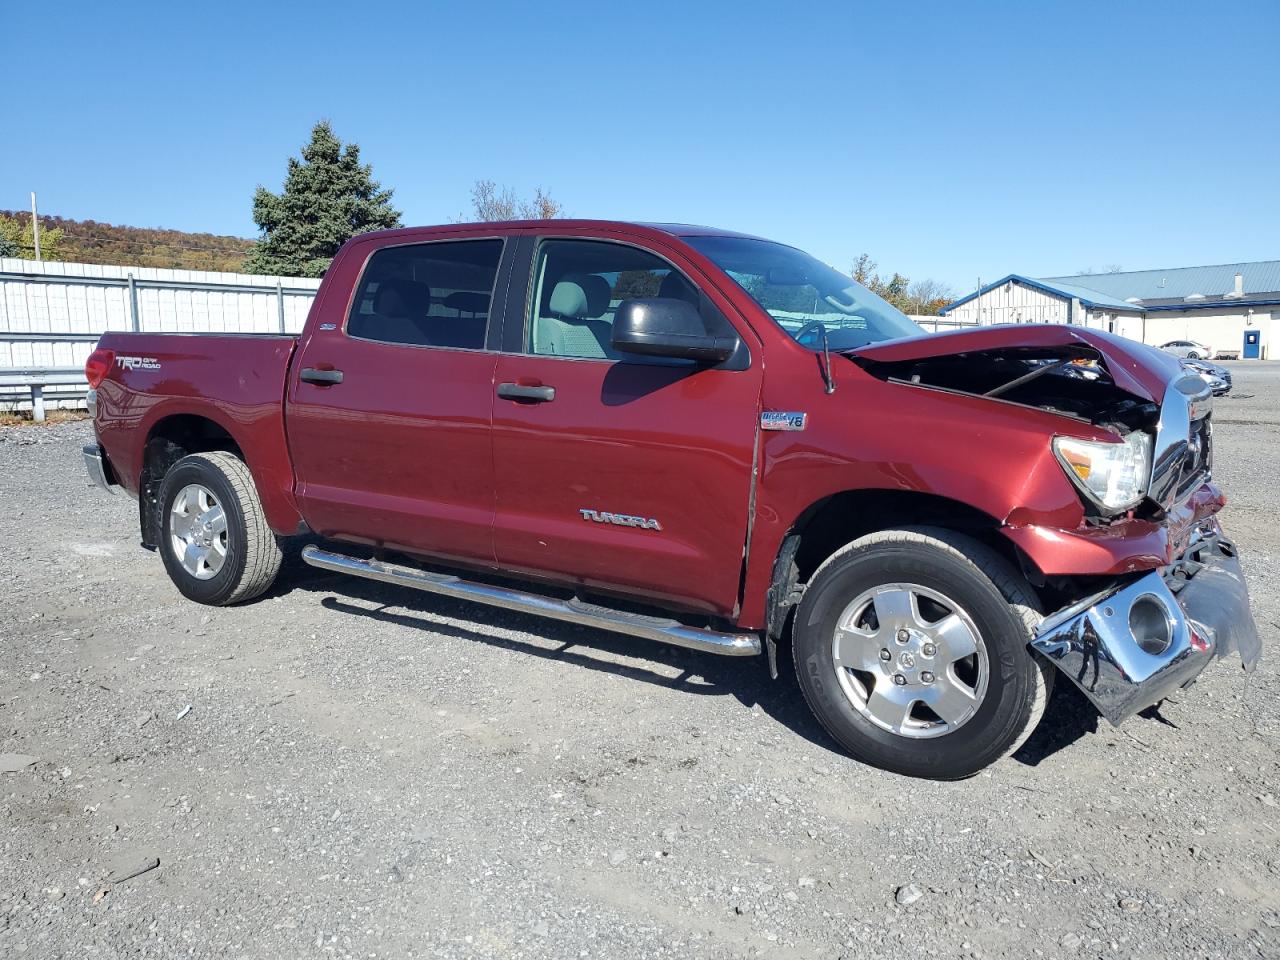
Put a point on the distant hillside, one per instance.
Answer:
(87, 241)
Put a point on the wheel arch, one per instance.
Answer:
(835, 520)
(176, 434)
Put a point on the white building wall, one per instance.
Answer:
(1012, 303)
(1220, 327)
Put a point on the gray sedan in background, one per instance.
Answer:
(1217, 377)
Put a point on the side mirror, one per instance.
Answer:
(667, 327)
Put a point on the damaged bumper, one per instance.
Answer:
(1134, 645)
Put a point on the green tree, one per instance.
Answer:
(18, 240)
(922, 297)
(9, 246)
(329, 196)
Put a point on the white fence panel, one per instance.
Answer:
(51, 314)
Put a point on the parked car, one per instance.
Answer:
(1187, 349)
(710, 440)
(1217, 377)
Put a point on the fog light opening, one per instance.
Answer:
(1149, 623)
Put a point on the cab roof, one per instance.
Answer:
(671, 229)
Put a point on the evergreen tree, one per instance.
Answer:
(329, 196)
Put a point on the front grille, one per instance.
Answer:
(1198, 459)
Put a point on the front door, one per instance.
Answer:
(391, 400)
(624, 474)
(1252, 344)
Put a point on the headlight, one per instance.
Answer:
(1112, 475)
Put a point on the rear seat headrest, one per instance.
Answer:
(398, 297)
(580, 296)
(468, 302)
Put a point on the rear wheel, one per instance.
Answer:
(911, 649)
(215, 542)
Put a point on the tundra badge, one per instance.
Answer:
(621, 519)
(783, 420)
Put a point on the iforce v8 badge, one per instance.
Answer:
(783, 420)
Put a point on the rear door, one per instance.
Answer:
(391, 397)
(632, 474)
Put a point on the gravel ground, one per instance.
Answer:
(347, 770)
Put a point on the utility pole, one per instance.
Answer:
(35, 224)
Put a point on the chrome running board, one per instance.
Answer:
(573, 611)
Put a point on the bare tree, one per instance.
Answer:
(1113, 268)
(543, 207)
(491, 202)
(927, 296)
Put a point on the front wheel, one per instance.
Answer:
(215, 542)
(911, 649)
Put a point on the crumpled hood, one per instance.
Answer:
(1134, 367)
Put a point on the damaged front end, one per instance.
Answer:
(1131, 646)
(1175, 598)
(1070, 378)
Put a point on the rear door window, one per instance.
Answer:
(427, 294)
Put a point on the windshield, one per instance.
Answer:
(804, 296)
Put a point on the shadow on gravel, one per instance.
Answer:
(1068, 718)
(701, 674)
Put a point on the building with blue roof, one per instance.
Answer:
(1233, 308)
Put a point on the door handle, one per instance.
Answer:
(518, 391)
(322, 378)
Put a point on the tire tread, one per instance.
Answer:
(261, 548)
(1006, 579)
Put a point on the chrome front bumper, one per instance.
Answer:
(99, 470)
(1205, 602)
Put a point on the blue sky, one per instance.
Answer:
(950, 140)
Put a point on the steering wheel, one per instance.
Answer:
(812, 325)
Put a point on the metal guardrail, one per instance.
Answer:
(35, 378)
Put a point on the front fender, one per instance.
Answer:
(995, 458)
(1124, 547)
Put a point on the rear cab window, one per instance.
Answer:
(436, 294)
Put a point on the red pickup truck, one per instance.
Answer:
(711, 440)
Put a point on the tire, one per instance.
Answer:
(231, 560)
(1194, 355)
(982, 602)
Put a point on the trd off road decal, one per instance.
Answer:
(138, 363)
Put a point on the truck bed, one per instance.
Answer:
(236, 380)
